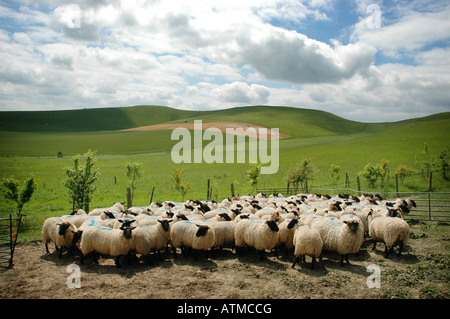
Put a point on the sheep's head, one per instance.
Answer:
(292, 223)
(109, 214)
(353, 225)
(76, 236)
(126, 228)
(62, 228)
(202, 230)
(395, 213)
(225, 216)
(413, 203)
(272, 225)
(165, 224)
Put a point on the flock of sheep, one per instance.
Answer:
(308, 224)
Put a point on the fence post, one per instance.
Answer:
(287, 190)
(232, 190)
(129, 203)
(357, 181)
(207, 191)
(151, 197)
(396, 184)
(430, 189)
(346, 180)
(429, 206)
(306, 186)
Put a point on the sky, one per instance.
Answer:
(364, 60)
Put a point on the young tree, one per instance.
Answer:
(11, 191)
(384, 169)
(80, 179)
(300, 172)
(402, 171)
(334, 172)
(178, 184)
(133, 173)
(371, 173)
(443, 162)
(426, 160)
(253, 175)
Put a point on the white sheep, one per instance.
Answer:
(286, 231)
(259, 234)
(152, 237)
(117, 207)
(345, 237)
(107, 241)
(307, 241)
(186, 234)
(58, 231)
(390, 230)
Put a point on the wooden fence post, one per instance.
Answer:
(357, 181)
(346, 181)
(232, 190)
(207, 191)
(430, 188)
(396, 184)
(129, 203)
(306, 186)
(151, 197)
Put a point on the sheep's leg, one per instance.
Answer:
(401, 248)
(174, 251)
(261, 254)
(148, 259)
(313, 262)
(304, 258)
(46, 248)
(346, 259)
(60, 252)
(117, 261)
(296, 260)
(374, 244)
(387, 251)
(82, 259)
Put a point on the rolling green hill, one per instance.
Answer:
(291, 121)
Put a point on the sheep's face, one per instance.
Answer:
(127, 231)
(395, 213)
(353, 225)
(165, 224)
(63, 228)
(292, 223)
(76, 236)
(272, 225)
(109, 214)
(202, 230)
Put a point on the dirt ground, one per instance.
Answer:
(421, 272)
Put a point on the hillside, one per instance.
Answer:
(291, 121)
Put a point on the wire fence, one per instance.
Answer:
(431, 206)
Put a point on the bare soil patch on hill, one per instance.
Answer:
(222, 126)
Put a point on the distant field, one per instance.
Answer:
(326, 138)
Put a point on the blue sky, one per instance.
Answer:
(200, 55)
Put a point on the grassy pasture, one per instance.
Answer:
(326, 138)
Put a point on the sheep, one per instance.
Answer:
(307, 241)
(117, 207)
(223, 231)
(259, 234)
(60, 232)
(153, 237)
(390, 230)
(344, 237)
(187, 234)
(286, 231)
(107, 241)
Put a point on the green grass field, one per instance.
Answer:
(30, 147)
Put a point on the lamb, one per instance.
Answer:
(345, 237)
(390, 230)
(153, 237)
(58, 231)
(187, 234)
(107, 241)
(259, 234)
(307, 241)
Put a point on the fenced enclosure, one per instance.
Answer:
(431, 206)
